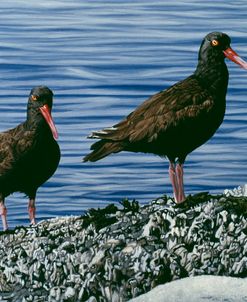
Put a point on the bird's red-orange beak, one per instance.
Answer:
(46, 112)
(233, 56)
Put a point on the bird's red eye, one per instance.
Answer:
(215, 43)
(34, 97)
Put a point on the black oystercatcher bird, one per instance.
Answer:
(176, 121)
(29, 153)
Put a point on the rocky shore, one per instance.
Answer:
(118, 253)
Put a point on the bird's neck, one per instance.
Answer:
(36, 122)
(213, 76)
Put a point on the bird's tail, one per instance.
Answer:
(101, 149)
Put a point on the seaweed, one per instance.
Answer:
(237, 205)
(196, 199)
(130, 206)
(100, 218)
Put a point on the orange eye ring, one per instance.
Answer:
(34, 98)
(215, 43)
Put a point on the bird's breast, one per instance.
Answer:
(39, 163)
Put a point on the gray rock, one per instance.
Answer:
(71, 259)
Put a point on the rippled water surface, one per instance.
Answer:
(102, 59)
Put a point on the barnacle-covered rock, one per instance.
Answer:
(117, 254)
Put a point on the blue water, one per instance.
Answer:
(102, 59)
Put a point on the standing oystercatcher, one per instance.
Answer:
(29, 153)
(176, 121)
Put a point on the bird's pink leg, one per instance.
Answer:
(32, 210)
(180, 181)
(3, 213)
(173, 178)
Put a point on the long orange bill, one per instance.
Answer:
(233, 56)
(46, 112)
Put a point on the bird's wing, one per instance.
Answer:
(7, 155)
(13, 147)
(185, 100)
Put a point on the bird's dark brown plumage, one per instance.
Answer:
(159, 121)
(29, 154)
(175, 121)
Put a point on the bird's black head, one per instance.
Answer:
(212, 47)
(40, 96)
(215, 47)
(40, 105)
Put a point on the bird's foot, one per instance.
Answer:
(32, 211)
(180, 199)
(3, 213)
(32, 222)
(180, 181)
(176, 176)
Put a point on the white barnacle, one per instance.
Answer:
(69, 293)
(98, 258)
(129, 249)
